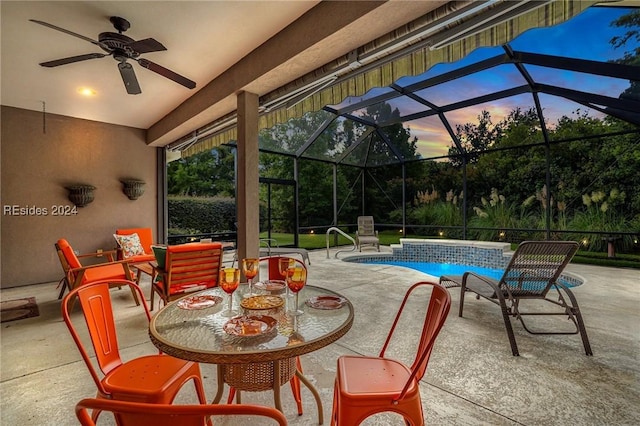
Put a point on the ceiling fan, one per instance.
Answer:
(122, 48)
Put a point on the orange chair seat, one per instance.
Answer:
(106, 272)
(372, 375)
(149, 378)
(141, 258)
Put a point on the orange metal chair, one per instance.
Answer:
(141, 414)
(188, 267)
(369, 385)
(273, 269)
(77, 275)
(273, 265)
(152, 378)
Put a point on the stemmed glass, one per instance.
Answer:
(284, 263)
(250, 268)
(229, 281)
(296, 279)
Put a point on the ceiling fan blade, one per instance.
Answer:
(90, 40)
(129, 78)
(72, 59)
(189, 84)
(147, 45)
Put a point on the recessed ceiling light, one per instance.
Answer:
(86, 91)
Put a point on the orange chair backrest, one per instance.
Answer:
(194, 263)
(145, 235)
(434, 319)
(274, 267)
(145, 414)
(95, 300)
(436, 315)
(69, 254)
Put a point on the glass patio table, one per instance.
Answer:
(252, 363)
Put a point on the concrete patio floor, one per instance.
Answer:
(472, 378)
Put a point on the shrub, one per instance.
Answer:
(430, 210)
(601, 214)
(495, 213)
(197, 215)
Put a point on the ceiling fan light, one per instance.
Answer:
(86, 91)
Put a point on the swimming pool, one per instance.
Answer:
(451, 257)
(440, 269)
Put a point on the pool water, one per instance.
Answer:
(440, 269)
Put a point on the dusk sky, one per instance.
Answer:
(586, 36)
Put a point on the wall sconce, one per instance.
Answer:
(80, 194)
(133, 188)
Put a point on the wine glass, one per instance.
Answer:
(285, 263)
(229, 281)
(250, 268)
(296, 279)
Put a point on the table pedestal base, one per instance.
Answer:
(261, 376)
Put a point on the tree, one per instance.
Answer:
(314, 181)
(630, 57)
(475, 138)
(208, 173)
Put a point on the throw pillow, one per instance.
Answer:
(161, 255)
(130, 244)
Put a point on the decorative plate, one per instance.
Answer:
(262, 302)
(271, 285)
(326, 302)
(199, 302)
(249, 325)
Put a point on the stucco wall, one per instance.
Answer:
(37, 163)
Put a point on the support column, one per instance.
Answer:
(247, 175)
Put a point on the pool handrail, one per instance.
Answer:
(339, 231)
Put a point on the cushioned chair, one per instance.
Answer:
(534, 270)
(369, 385)
(153, 378)
(141, 414)
(132, 249)
(366, 235)
(76, 274)
(188, 268)
(272, 266)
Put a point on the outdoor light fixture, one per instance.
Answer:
(133, 188)
(80, 194)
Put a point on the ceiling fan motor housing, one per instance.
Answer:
(118, 44)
